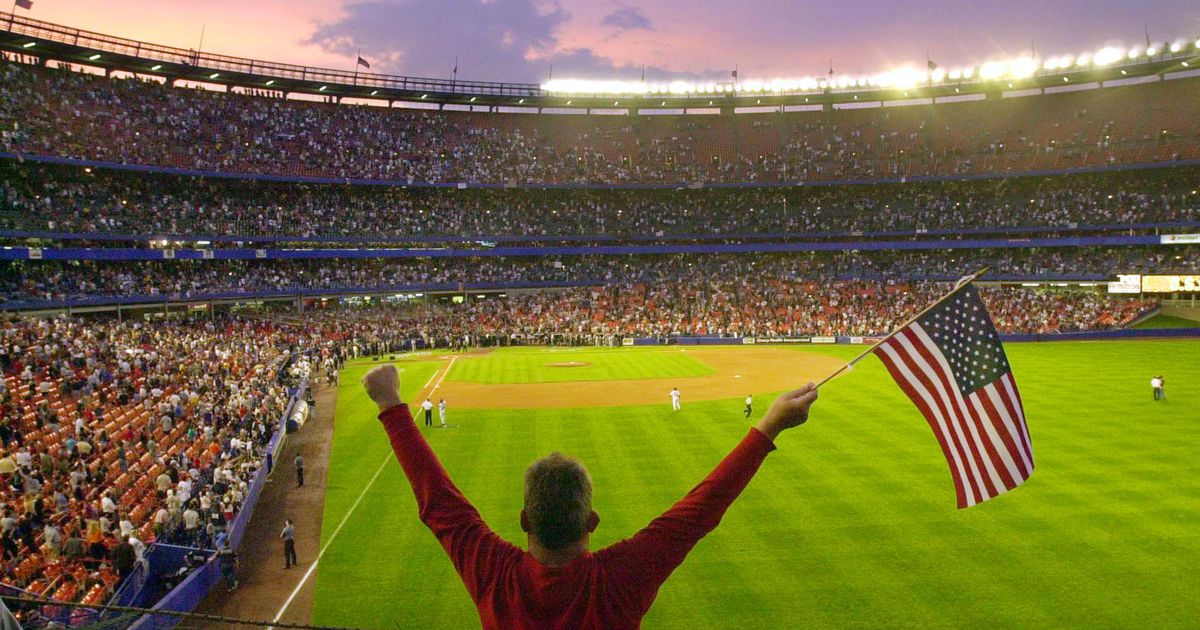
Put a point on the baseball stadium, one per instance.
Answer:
(291, 346)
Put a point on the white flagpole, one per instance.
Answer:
(964, 281)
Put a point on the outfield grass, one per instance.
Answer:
(1167, 321)
(850, 523)
(536, 365)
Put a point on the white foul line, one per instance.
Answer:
(367, 488)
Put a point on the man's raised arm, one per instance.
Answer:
(650, 556)
(472, 546)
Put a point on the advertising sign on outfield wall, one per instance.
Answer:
(824, 339)
(1180, 239)
(1127, 283)
(748, 341)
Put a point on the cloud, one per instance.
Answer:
(493, 40)
(627, 18)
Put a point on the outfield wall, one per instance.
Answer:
(1093, 335)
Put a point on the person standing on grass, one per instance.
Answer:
(558, 582)
(442, 411)
(749, 403)
(289, 544)
(299, 470)
(427, 407)
(675, 406)
(1156, 385)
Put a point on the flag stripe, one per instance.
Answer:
(1017, 409)
(923, 401)
(997, 409)
(1001, 458)
(930, 359)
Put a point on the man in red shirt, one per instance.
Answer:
(558, 582)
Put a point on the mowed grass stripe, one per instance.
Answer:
(521, 365)
(851, 522)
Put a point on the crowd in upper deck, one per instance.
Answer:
(71, 114)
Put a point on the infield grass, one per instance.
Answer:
(558, 365)
(850, 523)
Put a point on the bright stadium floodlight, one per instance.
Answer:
(991, 70)
(1022, 68)
(937, 75)
(1050, 64)
(1083, 59)
(955, 74)
(1176, 47)
(584, 86)
(1151, 51)
(1134, 53)
(1108, 55)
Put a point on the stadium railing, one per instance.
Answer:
(358, 181)
(590, 238)
(128, 254)
(1091, 335)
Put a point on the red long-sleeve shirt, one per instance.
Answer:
(611, 588)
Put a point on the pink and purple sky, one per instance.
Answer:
(520, 40)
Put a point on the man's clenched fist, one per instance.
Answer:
(383, 386)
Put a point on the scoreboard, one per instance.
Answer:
(1170, 284)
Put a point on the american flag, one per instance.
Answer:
(951, 364)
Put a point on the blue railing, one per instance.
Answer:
(364, 181)
(594, 238)
(144, 254)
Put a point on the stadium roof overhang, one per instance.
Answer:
(53, 42)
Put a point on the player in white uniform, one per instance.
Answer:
(749, 402)
(442, 411)
(675, 399)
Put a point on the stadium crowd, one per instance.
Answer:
(771, 308)
(74, 114)
(55, 280)
(117, 435)
(69, 199)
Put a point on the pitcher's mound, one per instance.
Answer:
(569, 364)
